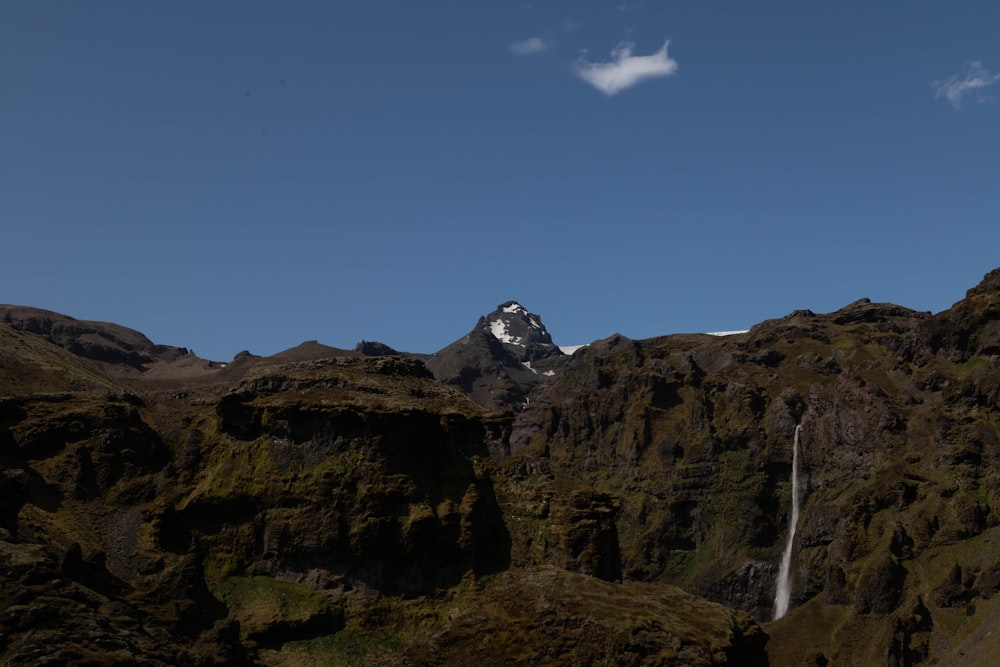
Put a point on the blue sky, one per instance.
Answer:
(249, 175)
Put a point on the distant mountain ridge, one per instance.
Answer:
(114, 346)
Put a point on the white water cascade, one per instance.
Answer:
(783, 593)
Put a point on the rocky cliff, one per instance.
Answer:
(690, 438)
(315, 507)
(629, 507)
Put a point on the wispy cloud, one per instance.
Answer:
(625, 70)
(571, 25)
(528, 46)
(630, 6)
(971, 82)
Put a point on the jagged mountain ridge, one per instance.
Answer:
(502, 360)
(363, 487)
(519, 331)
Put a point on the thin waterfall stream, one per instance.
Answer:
(783, 593)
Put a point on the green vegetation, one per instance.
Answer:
(344, 649)
(258, 602)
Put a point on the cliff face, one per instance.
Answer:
(325, 506)
(334, 509)
(691, 436)
(346, 470)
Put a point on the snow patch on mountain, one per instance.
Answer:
(499, 330)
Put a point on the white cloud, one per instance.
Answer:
(975, 78)
(528, 46)
(625, 70)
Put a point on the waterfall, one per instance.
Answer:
(784, 590)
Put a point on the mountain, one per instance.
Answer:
(326, 506)
(507, 354)
(114, 348)
(520, 332)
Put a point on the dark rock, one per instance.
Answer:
(901, 544)
(988, 582)
(749, 588)
(28, 617)
(371, 348)
(522, 333)
(990, 284)
(952, 592)
(880, 587)
(910, 644)
(498, 364)
(589, 536)
(184, 595)
(485, 370)
(14, 485)
(91, 572)
(863, 310)
(835, 588)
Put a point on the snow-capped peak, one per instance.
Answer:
(512, 324)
